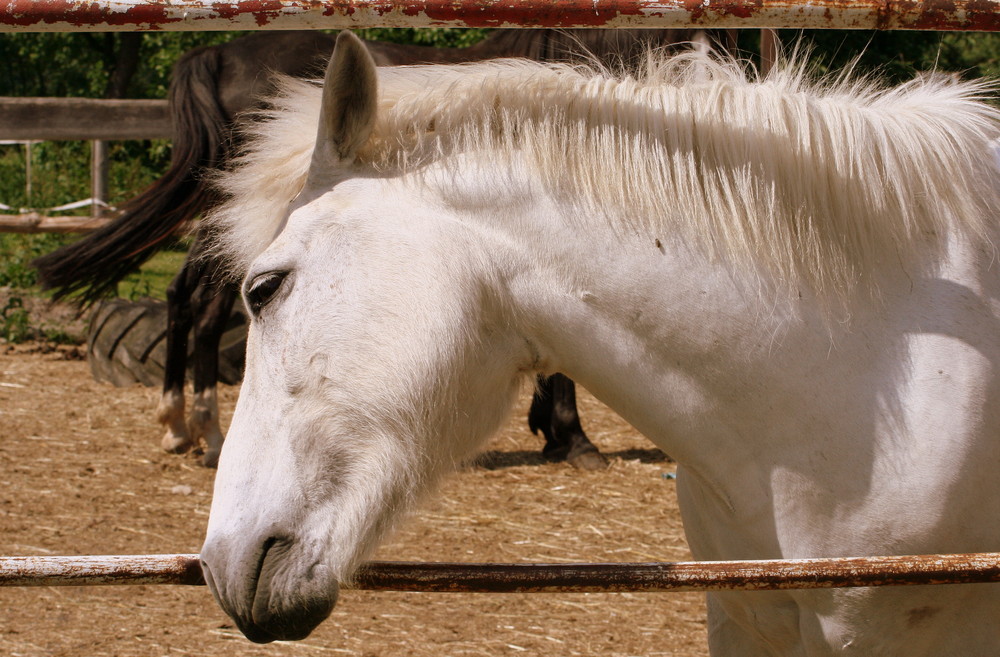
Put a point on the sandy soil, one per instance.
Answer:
(81, 473)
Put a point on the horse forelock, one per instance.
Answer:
(815, 179)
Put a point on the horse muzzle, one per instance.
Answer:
(274, 592)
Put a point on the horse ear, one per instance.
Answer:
(350, 98)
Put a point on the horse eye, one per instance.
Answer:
(262, 289)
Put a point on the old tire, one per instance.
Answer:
(127, 343)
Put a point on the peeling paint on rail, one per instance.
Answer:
(139, 15)
(540, 578)
(101, 570)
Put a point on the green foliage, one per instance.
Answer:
(17, 251)
(979, 54)
(897, 56)
(44, 64)
(52, 64)
(439, 38)
(19, 324)
(15, 323)
(56, 335)
(60, 172)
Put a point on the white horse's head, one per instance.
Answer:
(361, 386)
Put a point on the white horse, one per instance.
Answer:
(789, 286)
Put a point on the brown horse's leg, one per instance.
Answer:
(213, 303)
(554, 413)
(170, 411)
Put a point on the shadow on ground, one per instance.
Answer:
(498, 460)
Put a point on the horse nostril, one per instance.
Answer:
(279, 612)
(265, 549)
(272, 551)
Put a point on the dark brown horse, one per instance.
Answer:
(212, 88)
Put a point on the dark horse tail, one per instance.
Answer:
(91, 267)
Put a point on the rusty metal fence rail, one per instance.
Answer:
(763, 575)
(134, 15)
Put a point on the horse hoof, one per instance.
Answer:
(210, 459)
(588, 460)
(174, 444)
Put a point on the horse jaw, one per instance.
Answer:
(286, 529)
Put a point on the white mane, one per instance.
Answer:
(816, 180)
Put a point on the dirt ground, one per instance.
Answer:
(81, 473)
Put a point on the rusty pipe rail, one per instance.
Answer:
(537, 578)
(176, 15)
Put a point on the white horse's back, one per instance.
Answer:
(789, 286)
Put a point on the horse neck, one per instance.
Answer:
(671, 337)
(747, 386)
(615, 308)
(646, 324)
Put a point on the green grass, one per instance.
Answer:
(19, 324)
(17, 251)
(153, 277)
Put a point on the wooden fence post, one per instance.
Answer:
(98, 177)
